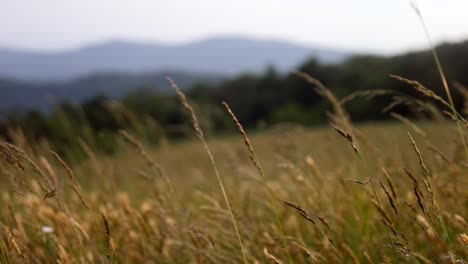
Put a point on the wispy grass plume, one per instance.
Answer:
(256, 162)
(416, 9)
(201, 137)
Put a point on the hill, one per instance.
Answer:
(218, 55)
(24, 95)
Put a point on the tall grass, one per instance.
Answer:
(253, 157)
(461, 131)
(327, 218)
(372, 193)
(201, 137)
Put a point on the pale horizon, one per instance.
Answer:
(363, 26)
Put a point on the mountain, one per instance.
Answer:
(22, 95)
(227, 56)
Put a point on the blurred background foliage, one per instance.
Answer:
(257, 100)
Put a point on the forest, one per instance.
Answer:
(260, 101)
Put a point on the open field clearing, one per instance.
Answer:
(318, 201)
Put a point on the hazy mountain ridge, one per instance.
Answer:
(218, 55)
(24, 95)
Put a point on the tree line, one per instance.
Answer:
(362, 83)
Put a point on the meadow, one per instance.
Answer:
(393, 192)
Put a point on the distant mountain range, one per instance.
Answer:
(39, 79)
(226, 56)
(23, 95)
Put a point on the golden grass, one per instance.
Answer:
(135, 217)
(460, 123)
(404, 200)
(201, 137)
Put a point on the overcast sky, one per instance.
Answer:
(385, 26)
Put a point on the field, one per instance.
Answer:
(142, 180)
(388, 193)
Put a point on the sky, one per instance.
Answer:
(379, 26)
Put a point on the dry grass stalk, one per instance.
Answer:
(256, 162)
(366, 94)
(451, 116)
(62, 256)
(188, 107)
(44, 180)
(410, 124)
(137, 144)
(314, 256)
(428, 185)
(111, 252)
(358, 181)
(301, 211)
(342, 116)
(420, 157)
(433, 111)
(12, 242)
(390, 182)
(427, 181)
(441, 154)
(10, 157)
(422, 89)
(307, 217)
(404, 250)
(12, 215)
(350, 253)
(46, 165)
(23, 154)
(200, 235)
(271, 257)
(382, 212)
(348, 137)
(418, 256)
(151, 162)
(390, 198)
(201, 137)
(416, 190)
(428, 229)
(442, 77)
(72, 179)
(368, 258)
(324, 222)
(248, 144)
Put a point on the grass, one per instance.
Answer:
(373, 193)
(126, 211)
(440, 69)
(398, 195)
(201, 137)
